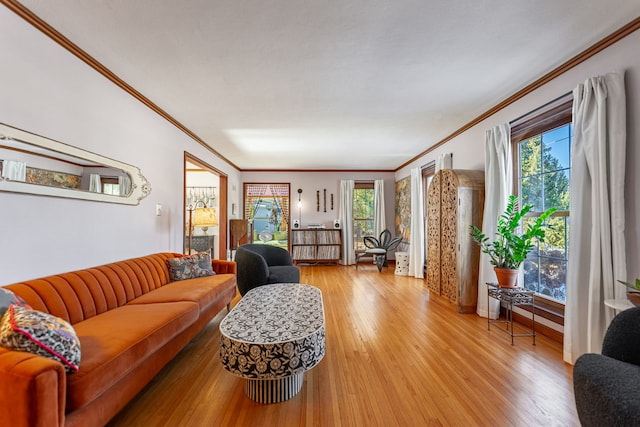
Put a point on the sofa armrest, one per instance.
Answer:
(606, 391)
(32, 390)
(223, 267)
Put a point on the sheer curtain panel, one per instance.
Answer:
(416, 238)
(597, 253)
(124, 184)
(380, 223)
(95, 183)
(346, 219)
(444, 161)
(498, 178)
(14, 170)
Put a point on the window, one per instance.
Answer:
(267, 206)
(110, 186)
(543, 147)
(363, 213)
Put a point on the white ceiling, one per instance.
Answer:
(334, 84)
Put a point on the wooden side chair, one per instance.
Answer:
(378, 248)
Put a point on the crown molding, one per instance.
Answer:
(67, 44)
(568, 65)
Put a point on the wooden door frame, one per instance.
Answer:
(222, 201)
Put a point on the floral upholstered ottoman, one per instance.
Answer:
(274, 334)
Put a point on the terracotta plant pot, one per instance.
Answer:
(507, 277)
(634, 298)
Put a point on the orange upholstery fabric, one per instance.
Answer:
(131, 320)
(115, 341)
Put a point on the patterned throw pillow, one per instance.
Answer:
(7, 298)
(24, 329)
(190, 266)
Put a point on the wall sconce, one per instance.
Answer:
(299, 207)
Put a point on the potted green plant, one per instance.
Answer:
(511, 246)
(634, 295)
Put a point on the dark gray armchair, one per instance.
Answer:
(263, 264)
(607, 386)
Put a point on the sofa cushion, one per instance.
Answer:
(118, 341)
(24, 329)
(203, 290)
(190, 266)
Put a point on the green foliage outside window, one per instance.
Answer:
(363, 214)
(544, 174)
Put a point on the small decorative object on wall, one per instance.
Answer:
(318, 200)
(324, 199)
(331, 201)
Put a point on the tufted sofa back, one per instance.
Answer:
(82, 294)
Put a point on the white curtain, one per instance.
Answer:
(14, 170)
(498, 186)
(346, 219)
(124, 184)
(95, 185)
(597, 253)
(416, 238)
(444, 161)
(379, 221)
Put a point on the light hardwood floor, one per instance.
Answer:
(395, 356)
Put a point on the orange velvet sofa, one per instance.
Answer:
(130, 319)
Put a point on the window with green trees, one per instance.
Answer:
(363, 213)
(542, 158)
(543, 178)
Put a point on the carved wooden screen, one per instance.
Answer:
(433, 233)
(449, 234)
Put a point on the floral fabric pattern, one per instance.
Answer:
(190, 266)
(24, 329)
(275, 331)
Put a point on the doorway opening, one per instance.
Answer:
(205, 208)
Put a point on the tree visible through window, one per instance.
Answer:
(542, 153)
(363, 213)
(544, 168)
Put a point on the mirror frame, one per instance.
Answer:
(140, 187)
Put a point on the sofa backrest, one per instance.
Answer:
(79, 295)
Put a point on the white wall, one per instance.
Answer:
(310, 182)
(468, 148)
(47, 91)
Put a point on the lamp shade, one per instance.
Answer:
(205, 217)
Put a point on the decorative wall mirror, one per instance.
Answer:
(33, 164)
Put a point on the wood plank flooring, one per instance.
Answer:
(396, 356)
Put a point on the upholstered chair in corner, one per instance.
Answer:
(606, 386)
(263, 264)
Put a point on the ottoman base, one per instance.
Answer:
(273, 391)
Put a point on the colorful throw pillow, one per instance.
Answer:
(190, 266)
(7, 298)
(24, 329)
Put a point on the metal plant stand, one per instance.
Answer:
(512, 297)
